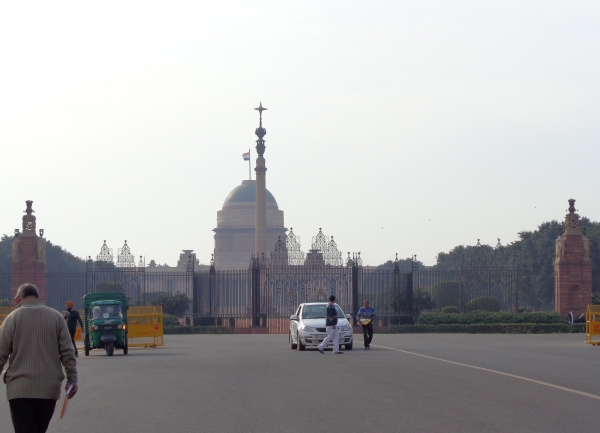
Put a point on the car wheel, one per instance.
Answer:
(300, 345)
(292, 345)
(349, 346)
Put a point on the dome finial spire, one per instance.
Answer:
(260, 109)
(260, 132)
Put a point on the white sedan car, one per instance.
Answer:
(307, 326)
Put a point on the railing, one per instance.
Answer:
(5, 289)
(266, 296)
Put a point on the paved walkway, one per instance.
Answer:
(407, 383)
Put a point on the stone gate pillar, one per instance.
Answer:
(28, 257)
(573, 268)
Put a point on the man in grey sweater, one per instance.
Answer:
(37, 340)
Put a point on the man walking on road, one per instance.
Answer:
(72, 317)
(365, 319)
(37, 340)
(333, 332)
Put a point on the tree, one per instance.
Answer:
(107, 286)
(403, 264)
(5, 254)
(446, 293)
(422, 301)
(398, 301)
(58, 259)
(176, 304)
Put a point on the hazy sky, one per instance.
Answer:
(397, 127)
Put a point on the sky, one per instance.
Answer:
(405, 127)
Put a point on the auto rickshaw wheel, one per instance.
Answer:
(110, 349)
(86, 345)
(126, 347)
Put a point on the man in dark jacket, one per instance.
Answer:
(72, 317)
(333, 332)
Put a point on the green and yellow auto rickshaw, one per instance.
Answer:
(105, 322)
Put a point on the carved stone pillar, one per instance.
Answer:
(260, 232)
(28, 256)
(573, 268)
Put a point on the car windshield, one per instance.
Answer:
(106, 312)
(319, 311)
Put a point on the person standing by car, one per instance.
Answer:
(333, 332)
(72, 317)
(365, 319)
(37, 340)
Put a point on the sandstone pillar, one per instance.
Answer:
(28, 256)
(260, 233)
(573, 268)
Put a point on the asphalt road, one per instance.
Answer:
(408, 383)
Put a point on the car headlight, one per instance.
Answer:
(307, 328)
(345, 328)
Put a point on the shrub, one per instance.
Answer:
(484, 303)
(170, 320)
(450, 310)
(196, 330)
(490, 328)
(487, 317)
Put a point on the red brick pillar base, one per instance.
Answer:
(573, 268)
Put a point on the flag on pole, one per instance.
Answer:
(246, 156)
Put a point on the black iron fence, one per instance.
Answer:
(140, 287)
(509, 289)
(596, 285)
(267, 295)
(4, 290)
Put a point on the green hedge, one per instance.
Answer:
(491, 328)
(479, 316)
(197, 330)
(170, 320)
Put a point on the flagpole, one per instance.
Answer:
(249, 166)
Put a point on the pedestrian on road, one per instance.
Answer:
(72, 317)
(365, 317)
(333, 332)
(37, 340)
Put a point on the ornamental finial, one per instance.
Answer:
(260, 109)
(260, 132)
